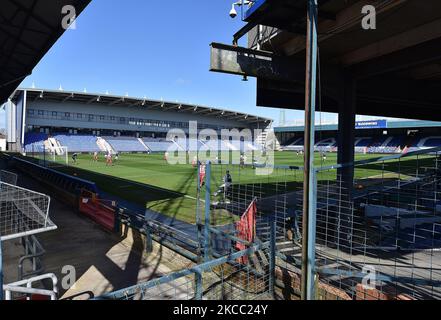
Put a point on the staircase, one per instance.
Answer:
(268, 140)
(59, 151)
(49, 145)
(178, 146)
(259, 261)
(143, 144)
(288, 248)
(387, 141)
(104, 145)
(230, 145)
(54, 146)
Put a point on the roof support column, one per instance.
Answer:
(309, 186)
(1, 272)
(346, 153)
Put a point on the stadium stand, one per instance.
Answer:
(428, 142)
(215, 145)
(125, 144)
(157, 145)
(296, 145)
(376, 144)
(248, 146)
(189, 144)
(34, 141)
(228, 145)
(363, 142)
(395, 142)
(78, 143)
(88, 143)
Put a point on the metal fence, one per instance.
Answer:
(379, 234)
(231, 267)
(217, 279)
(8, 177)
(22, 212)
(377, 225)
(55, 158)
(377, 228)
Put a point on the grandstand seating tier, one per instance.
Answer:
(34, 142)
(125, 144)
(158, 145)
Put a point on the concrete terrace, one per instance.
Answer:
(104, 262)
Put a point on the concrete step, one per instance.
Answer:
(256, 263)
(263, 257)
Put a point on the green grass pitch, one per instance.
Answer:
(149, 181)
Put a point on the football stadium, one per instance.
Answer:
(132, 198)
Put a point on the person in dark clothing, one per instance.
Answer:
(292, 223)
(226, 186)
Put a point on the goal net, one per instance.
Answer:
(23, 212)
(60, 155)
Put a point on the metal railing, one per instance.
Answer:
(33, 253)
(378, 229)
(214, 279)
(8, 177)
(166, 235)
(25, 287)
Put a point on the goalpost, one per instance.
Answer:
(55, 156)
(60, 155)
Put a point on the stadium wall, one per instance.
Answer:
(15, 122)
(64, 115)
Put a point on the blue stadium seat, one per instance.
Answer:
(432, 142)
(125, 144)
(192, 145)
(158, 145)
(34, 141)
(365, 142)
(78, 143)
(395, 142)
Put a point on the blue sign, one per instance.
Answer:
(373, 124)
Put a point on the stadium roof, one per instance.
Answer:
(28, 29)
(125, 101)
(410, 124)
(397, 66)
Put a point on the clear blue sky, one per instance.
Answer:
(158, 49)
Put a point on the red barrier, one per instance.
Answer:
(97, 210)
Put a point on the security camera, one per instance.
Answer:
(233, 12)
